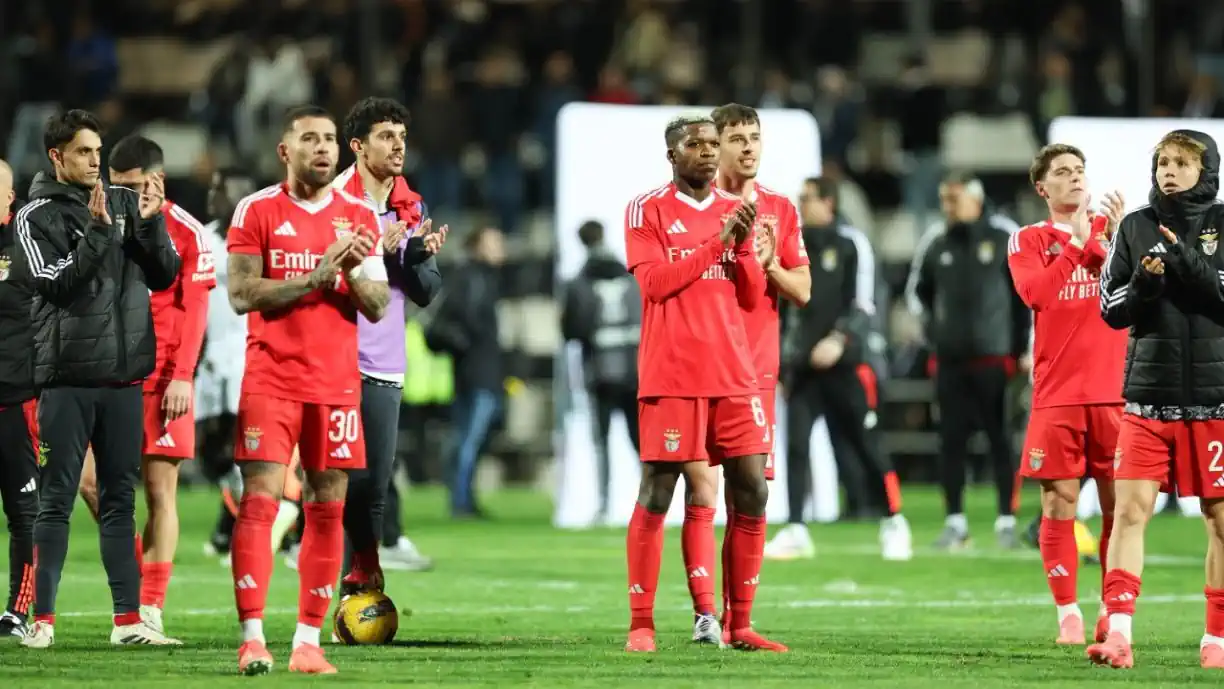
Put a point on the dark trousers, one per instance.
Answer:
(608, 399)
(973, 397)
(19, 491)
(367, 488)
(472, 415)
(111, 421)
(838, 395)
(392, 525)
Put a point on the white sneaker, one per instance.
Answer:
(404, 556)
(140, 634)
(793, 542)
(291, 557)
(896, 542)
(41, 635)
(152, 616)
(706, 630)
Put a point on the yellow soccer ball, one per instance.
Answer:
(367, 618)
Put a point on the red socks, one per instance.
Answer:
(644, 552)
(1121, 590)
(892, 492)
(251, 551)
(154, 579)
(747, 548)
(1060, 558)
(1215, 611)
(697, 544)
(726, 569)
(319, 560)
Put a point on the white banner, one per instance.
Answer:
(607, 155)
(1119, 151)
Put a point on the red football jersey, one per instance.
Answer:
(693, 289)
(180, 313)
(762, 324)
(306, 352)
(1077, 358)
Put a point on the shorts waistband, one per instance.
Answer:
(380, 383)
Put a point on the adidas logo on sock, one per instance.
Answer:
(246, 582)
(322, 592)
(1057, 571)
(636, 589)
(698, 572)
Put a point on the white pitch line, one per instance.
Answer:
(1029, 601)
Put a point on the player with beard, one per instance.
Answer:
(377, 133)
(689, 247)
(303, 261)
(1077, 369)
(780, 251)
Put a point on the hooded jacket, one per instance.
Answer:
(603, 312)
(91, 282)
(1175, 357)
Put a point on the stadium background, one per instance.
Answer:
(487, 79)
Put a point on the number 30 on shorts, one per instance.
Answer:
(343, 426)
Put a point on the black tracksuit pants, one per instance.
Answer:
(19, 491)
(366, 502)
(111, 421)
(973, 396)
(607, 400)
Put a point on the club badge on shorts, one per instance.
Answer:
(671, 440)
(828, 260)
(986, 252)
(1036, 459)
(1210, 240)
(5, 264)
(251, 437)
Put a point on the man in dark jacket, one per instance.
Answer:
(824, 349)
(18, 420)
(978, 329)
(603, 313)
(468, 314)
(93, 254)
(1162, 279)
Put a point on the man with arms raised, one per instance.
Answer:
(1077, 368)
(303, 261)
(689, 247)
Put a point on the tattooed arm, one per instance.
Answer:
(369, 296)
(250, 291)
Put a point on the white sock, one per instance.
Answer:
(958, 522)
(1120, 623)
(306, 634)
(1065, 611)
(252, 630)
(1209, 639)
(1005, 521)
(1102, 611)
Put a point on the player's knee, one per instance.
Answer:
(1059, 499)
(327, 486)
(750, 495)
(1130, 512)
(655, 490)
(263, 478)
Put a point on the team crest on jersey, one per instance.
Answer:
(768, 222)
(671, 440)
(1036, 459)
(251, 437)
(343, 226)
(828, 259)
(1210, 239)
(5, 264)
(1055, 249)
(986, 251)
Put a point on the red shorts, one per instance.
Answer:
(175, 439)
(328, 437)
(1195, 449)
(769, 400)
(1071, 442)
(699, 429)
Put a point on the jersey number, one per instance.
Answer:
(1216, 448)
(344, 426)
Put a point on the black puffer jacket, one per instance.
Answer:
(16, 335)
(92, 323)
(603, 312)
(1175, 358)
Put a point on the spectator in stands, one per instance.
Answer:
(40, 71)
(837, 109)
(1055, 96)
(613, 87)
(225, 89)
(498, 111)
(1203, 100)
(642, 44)
(93, 61)
(921, 114)
(277, 79)
(558, 89)
(440, 130)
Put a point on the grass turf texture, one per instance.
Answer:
(515, 603)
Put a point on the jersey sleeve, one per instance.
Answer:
(246, 234)
(1094, 252)
(1038, 284)
(659, 278)
(791, 251)
(198, 269)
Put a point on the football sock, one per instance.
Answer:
(725, 578)
(1215, 616)
(644, 552)
(1060, 558)
(154, 580)
(892, 493)
(251, 559)
(697, 546)
(1121, 592)
(747, 552)
(123, 619)
(319, 560)
(1103, 546)
(306, 634)
(958, 521)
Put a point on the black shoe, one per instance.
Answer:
(12, 626)
(1033, 533)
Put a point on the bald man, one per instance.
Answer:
(18, 419)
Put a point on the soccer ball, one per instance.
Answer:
(366, 618)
